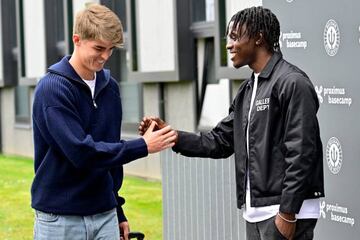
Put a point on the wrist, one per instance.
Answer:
(290, 216)
(287, 217)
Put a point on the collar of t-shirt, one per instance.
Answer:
(91, 83)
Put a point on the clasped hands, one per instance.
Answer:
(157, 134)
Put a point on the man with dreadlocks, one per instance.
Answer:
(273, 130)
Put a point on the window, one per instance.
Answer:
(119, 7)
(21, 41)
(213, 94)
(54, 31)
(131, 96)
(172, 43)
(222, 30)
(114, 63)
(223, 13)
(133, 44)
(17, 54)
(203, 10)
(22, 104)
(32, 40)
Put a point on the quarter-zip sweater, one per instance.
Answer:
(78, 151)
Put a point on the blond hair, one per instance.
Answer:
(97, 22)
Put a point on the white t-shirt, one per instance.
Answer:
(91, 84)
(309, 209)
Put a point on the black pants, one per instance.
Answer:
(266, 230)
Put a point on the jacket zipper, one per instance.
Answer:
(247, 150)
(92, 97)
(247, 172)
(94, 103)
(83, 83)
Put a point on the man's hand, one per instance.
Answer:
(287, 229)
(124, 230)
(159, 140)
(146, 122)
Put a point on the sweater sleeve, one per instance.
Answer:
(81, 149)
(59, 121)
(120, 212)
(117, 175)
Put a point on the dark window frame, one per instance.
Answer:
(54, 12)
(21, 39)
(9, 43)
(19, 54)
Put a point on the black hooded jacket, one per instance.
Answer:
(285, 150)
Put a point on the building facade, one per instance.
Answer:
(174, 64)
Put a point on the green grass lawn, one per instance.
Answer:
(142, 207)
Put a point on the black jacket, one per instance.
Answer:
(285, 151)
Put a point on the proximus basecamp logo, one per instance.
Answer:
(334, 156)
(331, 37)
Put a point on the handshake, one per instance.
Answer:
(157, 134)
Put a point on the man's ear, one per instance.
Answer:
(76, 39)
(259, 40)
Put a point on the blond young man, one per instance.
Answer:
(78, 152)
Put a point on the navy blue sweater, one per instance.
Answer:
(78, 151)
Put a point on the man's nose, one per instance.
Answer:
(229, 44)
(106, 54)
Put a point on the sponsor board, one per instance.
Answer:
(333, 95)
(336, 213)
(331, 37)
(334, 155)
(292, 40)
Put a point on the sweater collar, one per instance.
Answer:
(64, 68)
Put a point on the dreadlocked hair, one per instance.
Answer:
(257, 20)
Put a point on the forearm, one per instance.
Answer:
(79, 147)
(91, 154)
(201, 145)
